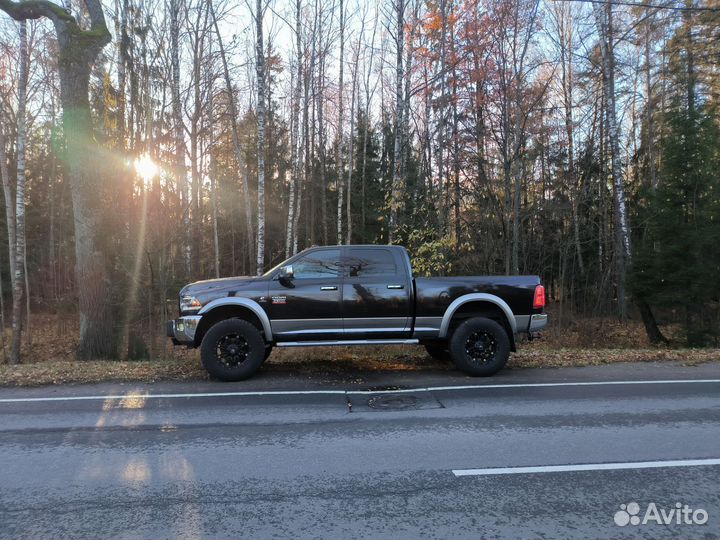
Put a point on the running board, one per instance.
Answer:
(348, 342)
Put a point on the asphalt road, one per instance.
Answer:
(153, 461)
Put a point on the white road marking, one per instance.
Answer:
(172, 396)
(532, 385)
(586, 467)
(346, 392)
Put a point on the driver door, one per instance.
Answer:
(307, 306)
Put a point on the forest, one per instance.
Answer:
(145, 144)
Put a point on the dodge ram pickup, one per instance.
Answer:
(356, 295)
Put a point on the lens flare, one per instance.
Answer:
(146, 167)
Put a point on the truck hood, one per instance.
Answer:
(213, 288)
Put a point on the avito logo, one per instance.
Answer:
(680, 514)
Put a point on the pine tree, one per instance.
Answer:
(678, 261)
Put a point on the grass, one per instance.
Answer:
(344, 363)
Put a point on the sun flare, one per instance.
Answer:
(146, 167)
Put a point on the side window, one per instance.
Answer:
(323, 263)
(370, 262)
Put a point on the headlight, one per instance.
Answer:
(189, 303)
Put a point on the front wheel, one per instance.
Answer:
(479, 347)
(232, 350)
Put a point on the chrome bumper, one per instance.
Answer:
(538, 322)
(182, 330)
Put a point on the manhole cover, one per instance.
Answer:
(363, 402)
(394, 402)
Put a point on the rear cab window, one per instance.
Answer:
(364, 262)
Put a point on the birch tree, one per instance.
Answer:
(9, 204)
(261, 97)
(10, 216)
(563, 19)
(19, 276)
(295, 138)
(396, 186)
(340, 130)
(351, 153)
(354, 99)
(604, 22)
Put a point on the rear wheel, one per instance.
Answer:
(232, 350)
(438, 351)
(479, 347)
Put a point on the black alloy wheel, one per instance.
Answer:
(232, 350)
(479, 346)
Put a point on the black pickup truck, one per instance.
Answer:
(356, 295)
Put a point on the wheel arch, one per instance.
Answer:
(233, 308)
(479, 305)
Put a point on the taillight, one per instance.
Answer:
(539, 298)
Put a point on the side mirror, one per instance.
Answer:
(286, 272)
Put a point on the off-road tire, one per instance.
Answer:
(232, 350)
(479, 347)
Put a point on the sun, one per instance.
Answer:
(146, 167)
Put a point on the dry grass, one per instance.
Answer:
(346, 364)
(50, 359)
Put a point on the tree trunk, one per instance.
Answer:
(213, 168)
(9, 205)
(396, 186)
(651, 327)
(456, 162)
(652, 170)
(236, 138)
(19, 277)
(603, 18)
(351, 150)
(517, 201)
(507, 223)
(260, 68)
(322, 138)
(295, 141)
(340, 164)
(566, 47)
(96, 329)
(180, 169)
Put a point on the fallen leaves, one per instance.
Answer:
(347, 364)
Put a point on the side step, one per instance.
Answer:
(347, 342)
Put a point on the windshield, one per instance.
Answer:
(274, 268)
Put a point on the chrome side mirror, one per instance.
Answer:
(286, 272)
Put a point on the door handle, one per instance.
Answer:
(395, 286)
(329, 288)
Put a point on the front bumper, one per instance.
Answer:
(182, 330)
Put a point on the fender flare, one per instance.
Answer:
(252, 305)
(476, 297)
